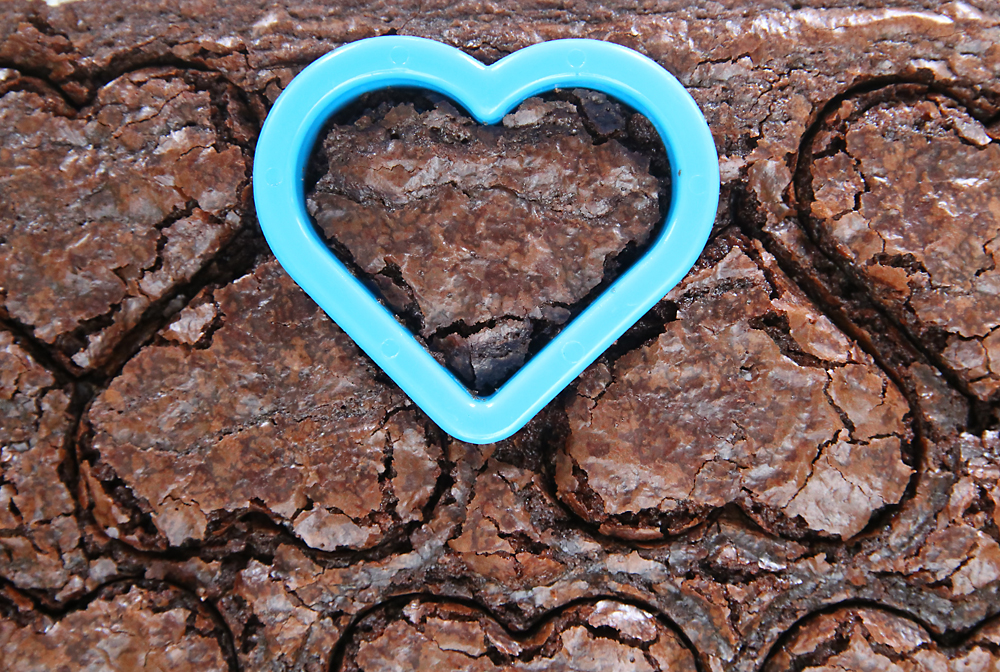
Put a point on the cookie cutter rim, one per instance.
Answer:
(488, 92)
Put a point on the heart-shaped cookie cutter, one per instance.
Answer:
(488, 93)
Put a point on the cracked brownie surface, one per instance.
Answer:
(459, 638)
(39, 534)
(123, 627)
(863, 638)
(791, 463)
(749, 395)
(107, 209)
(256, 401)
(902, 192)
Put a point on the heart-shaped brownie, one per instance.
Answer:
(108, 210)
(902, 191)
(315, 438)
(485, 240)
(748, 394)
(602, 635)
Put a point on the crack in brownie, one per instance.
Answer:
(39, 533)
(960, 555)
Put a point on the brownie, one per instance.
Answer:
(487, 240)
(39, 532)
(109, 209)
(749, 395)
(863, 638)
(123, 627)
(902, 196)
(605, 635)
(255, 401)
(791, 462)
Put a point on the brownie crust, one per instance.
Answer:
(791, 462)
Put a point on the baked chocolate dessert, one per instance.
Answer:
(484, 240)
(421, 634)
(857, 638)
(791, 462)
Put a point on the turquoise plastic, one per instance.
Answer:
(488, 93)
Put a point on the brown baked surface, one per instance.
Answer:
(792, 462)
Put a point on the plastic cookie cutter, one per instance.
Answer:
(488, 93)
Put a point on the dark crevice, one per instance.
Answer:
(237, 258)
(776, 326)
(37, 349)
(54, 100)
(646, 329)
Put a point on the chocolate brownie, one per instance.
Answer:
(123, 626)
(607, 635)
(863, 638)
(254, 401)
(109, 209)
(792, 462)
(487, 240)
(749, 395)
(39, 532)
(898, 190)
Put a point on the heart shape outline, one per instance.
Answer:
(488, 93)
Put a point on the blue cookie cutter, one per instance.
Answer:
(488, 93)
